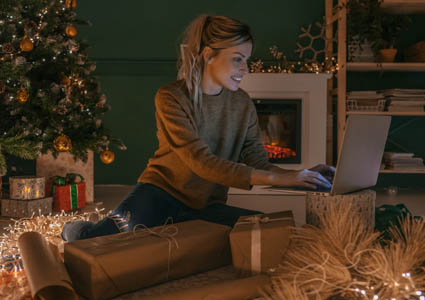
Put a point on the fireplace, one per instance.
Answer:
(296, 100)
(280, 127)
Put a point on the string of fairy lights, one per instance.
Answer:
(282, 65)
(49, 226)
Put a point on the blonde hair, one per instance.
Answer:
(216, 32)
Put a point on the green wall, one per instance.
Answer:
(134, 43)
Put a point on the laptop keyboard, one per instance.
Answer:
(302, 188)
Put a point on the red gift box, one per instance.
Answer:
(69, 197)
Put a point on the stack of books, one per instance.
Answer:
(365, 101)
(405, 100)
(403, 162)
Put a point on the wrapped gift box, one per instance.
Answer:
(259, 242)
(26, 208)
(236, 289)
(69, 197)
(362, 203)
(103, 267)
(22, 187)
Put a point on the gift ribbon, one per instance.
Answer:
(74, 195)
(69, 178)
(256, 220)
(164, 232)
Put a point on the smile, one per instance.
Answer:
(238, 79)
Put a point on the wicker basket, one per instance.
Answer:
(355, 105)
(415, 52)
(363, 203)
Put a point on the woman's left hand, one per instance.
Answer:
(327, 171)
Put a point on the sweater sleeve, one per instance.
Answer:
(180, 133)
(253, 153)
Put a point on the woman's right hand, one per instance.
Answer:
(303, 178)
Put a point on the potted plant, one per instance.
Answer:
(390, 29)
(370, 29)
(362, 25)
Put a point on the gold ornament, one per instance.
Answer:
(22, 95)
(71, 3)
(26, 44)
(71, 31)
(66, 81)
(62, 143)
(107, 156)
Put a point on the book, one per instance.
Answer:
(403, 92)
(409, 102)
(406, 108)
(391, 155)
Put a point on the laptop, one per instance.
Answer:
(360, 157)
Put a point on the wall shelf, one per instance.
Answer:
(336, 11)
(388, 67)
(402, 172)
(388, 113)
(409, 7)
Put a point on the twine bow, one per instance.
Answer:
(165, 231)
(256, 220)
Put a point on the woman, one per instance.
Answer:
(208, 139)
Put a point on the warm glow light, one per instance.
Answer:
(275, 151)
(49, 226)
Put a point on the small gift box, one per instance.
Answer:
(259, 242)
(26, 188)
(103, 267)
(67, 193)
(26, 208)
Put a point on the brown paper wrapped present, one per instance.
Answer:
(236, 289)
(103, 267)
(259, 242)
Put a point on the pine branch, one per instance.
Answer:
(17, 146)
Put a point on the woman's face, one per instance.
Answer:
(226, 68)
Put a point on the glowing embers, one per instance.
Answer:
(280, 128)
(275, 151)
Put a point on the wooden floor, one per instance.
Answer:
(105, 196)
(109, 196)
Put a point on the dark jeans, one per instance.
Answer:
(151, 206)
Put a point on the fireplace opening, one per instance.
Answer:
(280, 127)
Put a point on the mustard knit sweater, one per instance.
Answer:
(200, 155)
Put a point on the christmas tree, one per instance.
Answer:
(48, 93)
